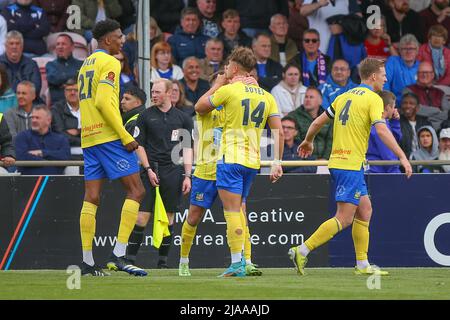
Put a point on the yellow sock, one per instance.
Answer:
(247, 245)
(235, 232)
(360, 235)
(187, 235)
(87, 225)
(128, 219)
(324, 233)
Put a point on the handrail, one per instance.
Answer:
(293, 163)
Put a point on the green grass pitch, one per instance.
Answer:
(282, 283)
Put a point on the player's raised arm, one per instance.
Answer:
(306, 147)
(388, 139)
(204, 104)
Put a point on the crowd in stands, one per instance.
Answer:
(307, 53)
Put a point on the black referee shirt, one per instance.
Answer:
(159, 132)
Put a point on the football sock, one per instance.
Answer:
(128, 219)
(360, 235)
(134, 242)
(87, 229)
(235, 234)
(165, 246)
(324, 233)
(247, 246)
(187, 235)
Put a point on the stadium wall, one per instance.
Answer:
(39, 223)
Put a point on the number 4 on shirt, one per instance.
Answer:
(343, 116)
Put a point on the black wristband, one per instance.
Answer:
(148, 168)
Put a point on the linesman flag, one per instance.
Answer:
(161, 222)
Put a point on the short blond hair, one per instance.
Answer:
(167, 83)
(369, 66)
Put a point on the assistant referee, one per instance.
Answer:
(162, 131)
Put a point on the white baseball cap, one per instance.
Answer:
(445, 133)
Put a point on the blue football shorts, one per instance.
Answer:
(350, 185)
(109, 160)
(235, 178)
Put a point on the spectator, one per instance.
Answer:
(297, 23)
(95, 11)
(347, 40)
(314, 64)
(255, 14)
(63, 68)
(213, 60)
(444, 147)
(401, 20)
(290, 92)
(428, 151)
(3, 31)
(19, 119)
(127, 19)
(378, 43)
(127, 78)
(161, 62)
(7, 152)
(132, 105)
(291, 145)
(401, 71)
(56, 11)
(8, 98)
(438, 55)
(269, 71)
(283, 48)
(337, 83)
(419, 5)
(41, 144)
(193, 85)
(210, 22)
(66, 120)
(179, 100)
(433, 102)
(410, 122)
(167, 13)
(156, 34)
(318, 11)
(305, 115)
(188, 40)
(130, 49)
(377, 150)
(437, 13)
(18, 66)
(231, 35)
(31, 21)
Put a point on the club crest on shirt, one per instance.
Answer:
(111, 76)
(199, 196)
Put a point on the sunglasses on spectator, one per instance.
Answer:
(310, 40)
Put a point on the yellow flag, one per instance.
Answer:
(161, 222)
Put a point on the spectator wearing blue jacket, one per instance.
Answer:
(39, 144)
(377, 149)
(32, 22)
(337, 83)
(18, 67)
(63, 68)
(401, 71)
(188, 40)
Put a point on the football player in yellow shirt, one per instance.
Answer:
(108, 148)
(204, 190)
(247, 109)
(354, 113)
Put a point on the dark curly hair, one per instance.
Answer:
(102, 28)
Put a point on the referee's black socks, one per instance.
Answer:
(164, 249)
(134, 242)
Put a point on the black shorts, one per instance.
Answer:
(170, 184)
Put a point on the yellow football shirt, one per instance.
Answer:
(209, 127)
(247, 108)
(354, 112)
(98, 86)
